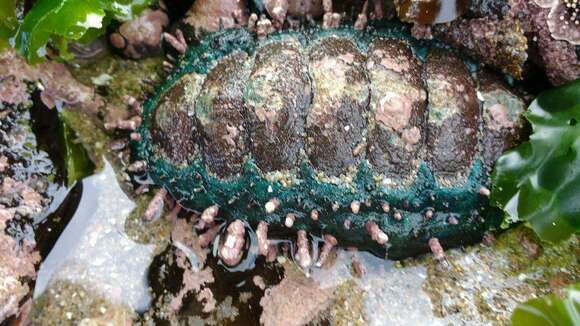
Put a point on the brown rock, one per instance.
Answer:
(295, 301)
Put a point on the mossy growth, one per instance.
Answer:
(69, 303)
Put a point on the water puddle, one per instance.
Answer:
(394, 295)
(94, 251)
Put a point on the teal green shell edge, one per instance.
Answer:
(244, 197)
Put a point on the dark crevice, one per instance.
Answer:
(49, 230)
(45, 126)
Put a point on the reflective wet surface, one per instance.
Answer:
(475, 285)
(94, 250)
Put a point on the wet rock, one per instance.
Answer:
(141, 37)
(17, 267)
(295, 301)
(485, 284)
(24, 193)
(519, 31)
(57, 85)
(179, 273)
(497, 42)
(560, 59)
(532, 249)
(564, 21)
(211, 15)
(134, 78)
(348, 306)
(73, 304)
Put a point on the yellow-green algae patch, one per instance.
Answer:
(484, 284)
(93, 139)
(156, 232)
(120, 77)
(68, 303)
(348, 307)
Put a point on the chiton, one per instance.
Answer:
(380, 141)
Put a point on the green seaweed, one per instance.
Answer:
(550, 310)
(8, 21)
(61, 21)
(539, 181)
(77, 163)
(244, 197)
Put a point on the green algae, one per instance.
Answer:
(77, 162)
(56, 22)
(124, 77)
(538, 182)
(552, 310)
(348, 305)
(91, 137)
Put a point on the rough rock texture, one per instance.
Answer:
(17, 263)
(24, 173)
(499, 43)
(210, 15)
(141, 37)
(179, 273)
(564, 20)
(488, 8)
(57, 85)
(484, 285)
(560, 59)
(68, 303)
(517, 31)
(295, 301)
(189, 256)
